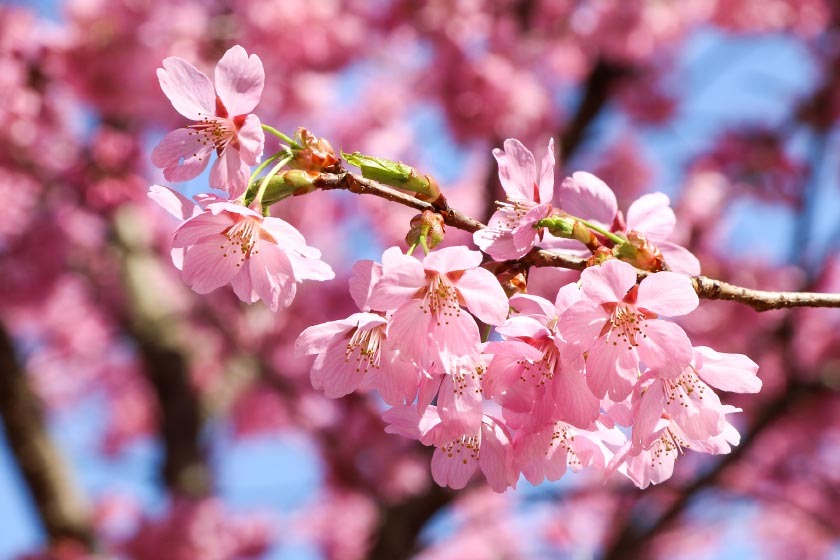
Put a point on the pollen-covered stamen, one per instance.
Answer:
(564, 437)
(512, 213)
(683, 388)
(625, 325)
(242, 239)
(364, 347)
(214, 131)
(668, 443)
(542, 371)
(464, 449)
(441, 300)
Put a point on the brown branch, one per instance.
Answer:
(706, 288)
(62, 509)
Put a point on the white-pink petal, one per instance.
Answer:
(174, 202)
(609, 281)
(667, 293)
(251, 140)
(586, 196)
(189, 90)
(239, 81)
(652, 215)
(546, 190)
(735, 373)
(483, 295)
(517, 170)
(205, 266)
(181, 156)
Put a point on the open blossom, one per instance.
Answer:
(617, 326)
(356, 353)
(649, 223)
(223, 120)
(531, 374)
(429, 325)
(458, 455)
(261, 257)
(510, 232)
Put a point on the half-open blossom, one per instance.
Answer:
(223, 120)
(617, 325)
(510, 232)
(261, 257)
(429, 325)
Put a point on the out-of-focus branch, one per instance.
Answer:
(596, 93)
(61, 507)
(154, 331)
(401, 523)
(706, 288)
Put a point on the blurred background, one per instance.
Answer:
(143, 421)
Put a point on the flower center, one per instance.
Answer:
(441, 300)
(365, 344)
(625, 326)
(464, 448)
(542, 371)
(564, 438)
(683, 388)
(214, 131)
(242, 239)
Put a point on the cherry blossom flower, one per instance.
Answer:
(356, 353)
(617, 325)
(261, 257)
(458, 455)
(429, 325)
(223, 120)
(511, 230)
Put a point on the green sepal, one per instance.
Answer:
(393, 173)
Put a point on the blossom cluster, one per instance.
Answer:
(600, 377)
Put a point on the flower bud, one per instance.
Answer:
(314, 154)
(426, 229)
(639, 252)
(395, 174)
(286, 183)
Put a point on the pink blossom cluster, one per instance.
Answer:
(223, 241)
(563, 379)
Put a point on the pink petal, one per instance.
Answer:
(459, 402)
(452, 258)
(363, 277)
(679, 259)
(272, 276)
(609, 281)
(575, 402)
(735, 373)
(457, 340)
(567, 296)
(409, 331)
(483, 295)
(239, 81)
(288, 235)
(407, 421)
(315, 339)
(496, 457)
(189, 90)
(527, 304)
(453, 467)
(547, 174)
(397, 381)
(201, 227)
(586, 196)
(243, 287)
(181, 156)
(651, 215)
(665, 347)
(611, 369)
(335, 375)
(205, 266)
(174, 202)
(667, 293)
(229, 173)
(649, 412)
(251, 140)
(398, 285)
(310, 269)
(582, 323)
(517, 170)
(524, 326)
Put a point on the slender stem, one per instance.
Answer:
(411, 249)
(265, 163)
(268, 176)
(609, 235)
(285, 138)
